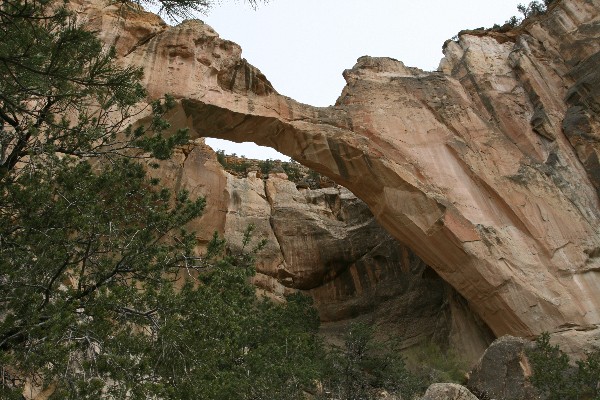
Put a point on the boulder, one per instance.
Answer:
(448, 391)
(503, 370)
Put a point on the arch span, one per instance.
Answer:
(468, 166)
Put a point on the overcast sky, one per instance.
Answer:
(303, 46)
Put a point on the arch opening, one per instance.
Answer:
(248, 150)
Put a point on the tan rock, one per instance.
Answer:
(248, 205)
(181, 173)
(122, 25)
(482, 168)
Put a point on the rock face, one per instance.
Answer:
(326, 243)
(487, 169)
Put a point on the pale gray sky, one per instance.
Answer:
(303, 46)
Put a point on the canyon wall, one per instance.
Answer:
(326, 243)
(487, 168)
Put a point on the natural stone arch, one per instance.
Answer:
(451, 163)
(402, 209)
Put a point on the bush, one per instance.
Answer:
(432, 364)
(533, 8)
(364, 367)
(556, 377)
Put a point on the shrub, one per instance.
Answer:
(556, 377)
(533, 8)
(364, 367)
(433, 364)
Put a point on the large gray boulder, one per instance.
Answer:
(448, 391)
(503, 370)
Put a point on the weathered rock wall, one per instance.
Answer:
(487, 169)
(326, 243)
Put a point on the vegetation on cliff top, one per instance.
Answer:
(296, 172)
(532, 9)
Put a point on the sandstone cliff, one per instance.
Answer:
(487, 168)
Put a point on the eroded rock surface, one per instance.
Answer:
(326, 243)
(487, 169)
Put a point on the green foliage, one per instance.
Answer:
(238, 168)
(513, 21)
(62, 96)
(432, 364)
(349, 376)
(293, 170)
(286, 356)
(529, 10)
(533, 8)
(266, 166)
(557, 378)
(159, 146)
(181, 9)
(51, 74)
(364, 367)
(221, 157)
(83, 256)
(551, 370)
